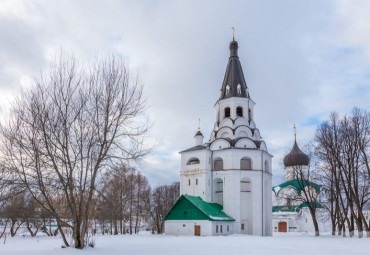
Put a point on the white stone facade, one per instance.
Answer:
(233, 169)
(244, 193)
(208, 228)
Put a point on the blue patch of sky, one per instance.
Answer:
(312, 121)
(346, 52)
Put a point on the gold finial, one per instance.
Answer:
(233, 33)
(295, 132)
(199, 125)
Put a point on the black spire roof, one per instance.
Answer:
(296, 157)
(234, 76)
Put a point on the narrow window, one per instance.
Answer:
(250, 114)
(216, 228)
(242, 226)
(219, 164)
(266, 166)
(239, 89)
(227, 112)
(221, 229)
(227, 89)
(228, 228)
(196, 181)
(189, 182)
(239, 111)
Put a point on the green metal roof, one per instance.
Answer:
(285, 208)
(316, 204)
(194, 208)
(293, 208)
(298, 185)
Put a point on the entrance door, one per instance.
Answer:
(197, 230)
(282, 226)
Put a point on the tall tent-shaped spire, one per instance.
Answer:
(234, 84)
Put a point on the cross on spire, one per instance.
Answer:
(233, 33)
(295, 131)
(199, 125)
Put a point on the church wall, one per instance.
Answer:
(301, 221)
(198, 174)
(186, 227)
(207, 228)
(232, 196)
(231, 158)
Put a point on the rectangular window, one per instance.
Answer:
(221, 228)
(228, 228)
(216, 228)
(242, 226)
(189, 182)
(245, 186)
(218, 164)
(196, 181)
(245, 164)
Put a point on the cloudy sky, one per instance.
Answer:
(301, 60)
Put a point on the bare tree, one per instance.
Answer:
(67, 129)
(343, 147)
(162, 200)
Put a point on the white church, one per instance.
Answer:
(294, 216)
(225, 184)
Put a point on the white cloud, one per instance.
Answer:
(301, 60)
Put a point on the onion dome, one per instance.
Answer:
(296, 157)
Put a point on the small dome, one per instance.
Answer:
(296, 157)
(198, 133)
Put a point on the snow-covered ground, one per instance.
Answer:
(291, 243)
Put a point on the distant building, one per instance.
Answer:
(288, 215)
(226, 183)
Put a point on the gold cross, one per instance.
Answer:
(199, 125)
(233, 33)
(295, 133)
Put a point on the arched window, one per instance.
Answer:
(218, 164)
(193, 161)
(196, 181)
(227, 112)
(246, 164)
(189, 182)
(239, 111)
(267, 166)
(218, 189)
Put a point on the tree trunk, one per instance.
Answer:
(314, 220)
